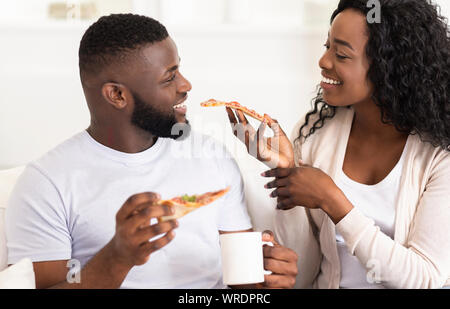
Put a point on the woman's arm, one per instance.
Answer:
(424, 261)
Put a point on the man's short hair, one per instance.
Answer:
(112, 38)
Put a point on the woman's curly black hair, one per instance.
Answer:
(409, 54)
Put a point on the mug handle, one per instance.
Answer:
(269, 243)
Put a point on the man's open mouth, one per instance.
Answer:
(181, 105)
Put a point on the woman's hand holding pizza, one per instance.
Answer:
(274, 151)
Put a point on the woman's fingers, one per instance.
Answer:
(257, 145)
(241, 117)
(274, 125)
(241, 128)
(261, 129)
(279, 182)
(263, 146)
(231, 116)
(280, 191)
(277, 172)
(233, 122)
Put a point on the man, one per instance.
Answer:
(63, 209)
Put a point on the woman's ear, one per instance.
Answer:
(116, 95)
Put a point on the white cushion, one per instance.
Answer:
(18, 276)
(8, 179)
(3, 252)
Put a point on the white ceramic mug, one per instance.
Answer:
(242, 258)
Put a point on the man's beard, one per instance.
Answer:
(157, 123)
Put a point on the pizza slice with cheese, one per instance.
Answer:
(234, 105)
(186, 203)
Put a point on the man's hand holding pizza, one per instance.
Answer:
(132, 244)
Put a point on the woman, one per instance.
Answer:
(367, 204)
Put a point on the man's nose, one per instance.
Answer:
(184, 85)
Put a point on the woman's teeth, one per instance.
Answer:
(330, 81)
(181, 105)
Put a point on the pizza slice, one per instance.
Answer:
(186, 203)
(234, 105)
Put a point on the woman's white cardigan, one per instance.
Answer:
(419, 254)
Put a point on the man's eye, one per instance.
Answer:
(326, 46)
(171, 78)
(341, 57)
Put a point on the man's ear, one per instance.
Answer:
(116, 94)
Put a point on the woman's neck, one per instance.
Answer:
(367, 124)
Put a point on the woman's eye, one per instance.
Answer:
(341, 57)
(326, 46)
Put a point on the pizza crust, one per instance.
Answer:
(234, 105)
(180, 211)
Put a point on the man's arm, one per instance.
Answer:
(102, 271)
(130, 246)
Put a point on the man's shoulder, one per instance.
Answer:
(61, 156)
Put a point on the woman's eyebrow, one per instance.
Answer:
(342, 42)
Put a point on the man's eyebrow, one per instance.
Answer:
(175, 67)
(342, 42)
(172, 69)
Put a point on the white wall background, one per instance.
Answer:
(255, 51)
(263, 53)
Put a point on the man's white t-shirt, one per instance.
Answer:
(64, 206)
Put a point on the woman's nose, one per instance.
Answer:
(325, 62)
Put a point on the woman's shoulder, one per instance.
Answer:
(428, 156)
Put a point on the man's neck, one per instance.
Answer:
(123, 139)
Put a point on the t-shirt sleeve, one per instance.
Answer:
(35, 220)
(233, 215)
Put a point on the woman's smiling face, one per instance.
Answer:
(345, 64)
